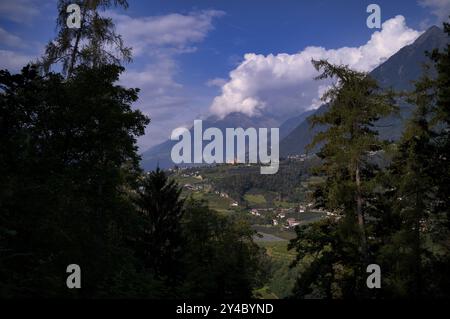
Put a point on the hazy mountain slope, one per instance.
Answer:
(290, 124)
(160, 154)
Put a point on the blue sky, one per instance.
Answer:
(196, 58)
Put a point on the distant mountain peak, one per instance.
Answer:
(434, 32)
(433, 29)
(405, 66)
(398, 72)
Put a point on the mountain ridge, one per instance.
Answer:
(397, 72)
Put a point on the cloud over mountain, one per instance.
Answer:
(283, 83)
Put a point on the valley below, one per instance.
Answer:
(274, 205)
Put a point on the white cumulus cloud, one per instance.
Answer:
(284, 83)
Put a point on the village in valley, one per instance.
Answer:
(273, 213)
(274, 206)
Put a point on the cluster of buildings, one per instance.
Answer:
(222, 194)
(297, 157)
(255, 212)
(195, 174)
(280, 218)
(290, 223)
(193, 187)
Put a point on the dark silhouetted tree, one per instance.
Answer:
(68, 161)
(159, 241)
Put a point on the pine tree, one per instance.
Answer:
(348, 146)
(415, 233)
(414, 188)
(441, 176)
(159, 240)
(442, 119)
(355, 104)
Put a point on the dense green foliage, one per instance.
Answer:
(221, 261)
(72, 192)
(240, 179)
(68, 158)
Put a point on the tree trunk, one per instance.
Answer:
(359, 212)
(417, 249)
(73, 56)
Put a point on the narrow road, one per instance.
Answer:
(267, 237)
